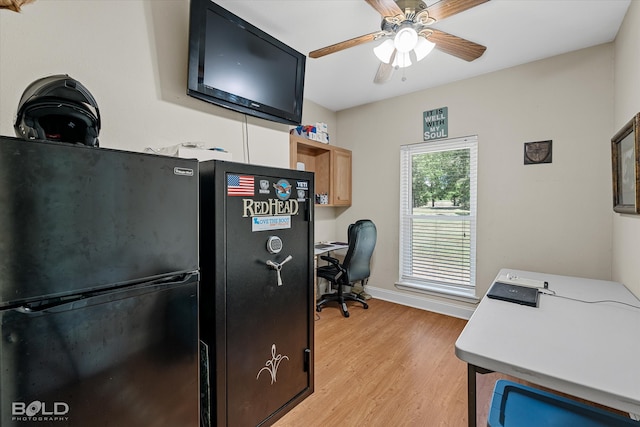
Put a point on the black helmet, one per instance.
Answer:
(58, 108)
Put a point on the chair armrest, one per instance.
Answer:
(336, 264)
(332, 260)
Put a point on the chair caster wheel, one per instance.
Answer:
(365, 306)
(318, 309)
(345, 313)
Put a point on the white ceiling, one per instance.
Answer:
(514, 32)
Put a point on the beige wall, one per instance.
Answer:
(137, 71)
(626, 228)
(554, 217)
(132, 56)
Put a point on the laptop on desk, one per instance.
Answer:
(523, 295)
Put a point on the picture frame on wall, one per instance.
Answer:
(625, 152)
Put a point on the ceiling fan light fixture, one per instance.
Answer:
(405, 39)
(423, 48)
(401, 60)
(384, 51)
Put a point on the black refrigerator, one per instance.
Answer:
(98, 287)
(256, 293)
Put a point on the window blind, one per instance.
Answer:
(437, 246)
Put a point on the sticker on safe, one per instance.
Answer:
(264, 223)
(240, 185)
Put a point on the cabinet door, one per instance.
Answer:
(341, 193)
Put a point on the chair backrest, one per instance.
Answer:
(362, 242)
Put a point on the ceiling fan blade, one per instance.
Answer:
(446, 8)
(345, 44)
(385, 70)
(384, 73)
(456, 46)
(386, 7)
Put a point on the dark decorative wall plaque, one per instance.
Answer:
(537, 152)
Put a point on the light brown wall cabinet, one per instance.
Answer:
(331, 165)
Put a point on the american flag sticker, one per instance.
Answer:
(240, 185)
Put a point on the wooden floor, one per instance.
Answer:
(390, 365)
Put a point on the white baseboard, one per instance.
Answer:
(441, 307)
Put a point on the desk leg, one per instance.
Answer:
(471, 394)
(472, 413)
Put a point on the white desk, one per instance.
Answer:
(588, 350)
(321, 248)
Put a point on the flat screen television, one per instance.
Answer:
(236, 65)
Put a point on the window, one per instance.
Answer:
(438, 216)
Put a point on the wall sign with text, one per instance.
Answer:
(436, 124)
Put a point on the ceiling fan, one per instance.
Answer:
(407, 33)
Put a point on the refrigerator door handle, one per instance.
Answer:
(141, 287)
(47, 304)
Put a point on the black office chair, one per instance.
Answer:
(354, 268)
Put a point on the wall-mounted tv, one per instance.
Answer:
(236, 65)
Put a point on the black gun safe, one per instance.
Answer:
(256, 292)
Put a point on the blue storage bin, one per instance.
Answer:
(516, 405)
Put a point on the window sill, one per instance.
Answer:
(459, 294)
